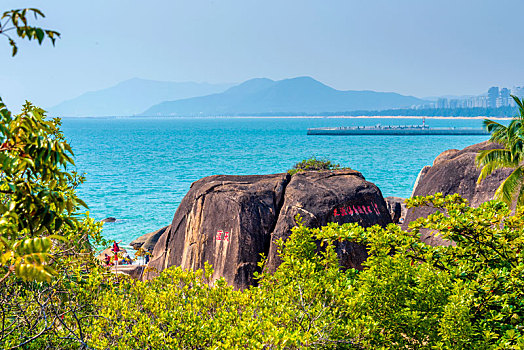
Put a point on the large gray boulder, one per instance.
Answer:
(320, 197)
(454, 171)
(223, 220)
(229, 221)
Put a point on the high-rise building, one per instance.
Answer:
(496, 97)
(454, 104)
(504, 97)
(493, 95)
(442, 103)
(518, 91)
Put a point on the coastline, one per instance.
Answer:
(293, 117)
(366, 117)
(420, 117)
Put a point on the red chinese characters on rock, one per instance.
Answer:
(219, 236)
(356, 209)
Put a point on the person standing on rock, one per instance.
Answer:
(116, 249)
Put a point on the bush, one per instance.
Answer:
(48, 276)
(410, 295)
(464, 296)
(303, 305)
(313, 164)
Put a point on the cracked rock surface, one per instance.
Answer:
(230, 220)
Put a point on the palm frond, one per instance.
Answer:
(487, 170)
(517, 149)
(520, 197)
(512, 138)
(493, 159)
(491, 125)
(499, 132)
(520, 104)
(508, 188)
(501, 156)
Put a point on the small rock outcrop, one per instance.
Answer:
(452, 172)
(228, 221)
(446, 155)
(133, 271)
(109, 219)
(148, 241)
(397, 208)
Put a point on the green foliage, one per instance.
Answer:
(18, 21)
(54, 294)
(37, 193)
(49, 278)
(512, 156)
(410, 295)
(54, 314)
(48, 275)
(467, 295)
(186, 310)
(313, 164)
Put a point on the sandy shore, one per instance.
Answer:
(366, 117)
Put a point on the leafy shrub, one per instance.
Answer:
(48, 276)
(410, 295)
(463, 296)
(313, 164)
(303, 305)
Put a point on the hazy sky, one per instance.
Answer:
(415, 47)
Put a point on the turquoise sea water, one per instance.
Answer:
(138, 170)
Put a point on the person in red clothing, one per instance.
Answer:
(116, 249)
(107, 258)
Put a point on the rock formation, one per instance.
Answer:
(148, 241)
(320, 197)
(133, 271)
(229, 221)
(454, 171)
(397, 208)
(226, 221)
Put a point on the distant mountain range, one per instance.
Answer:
(255, 97)
(131, 97)
(302, 95)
